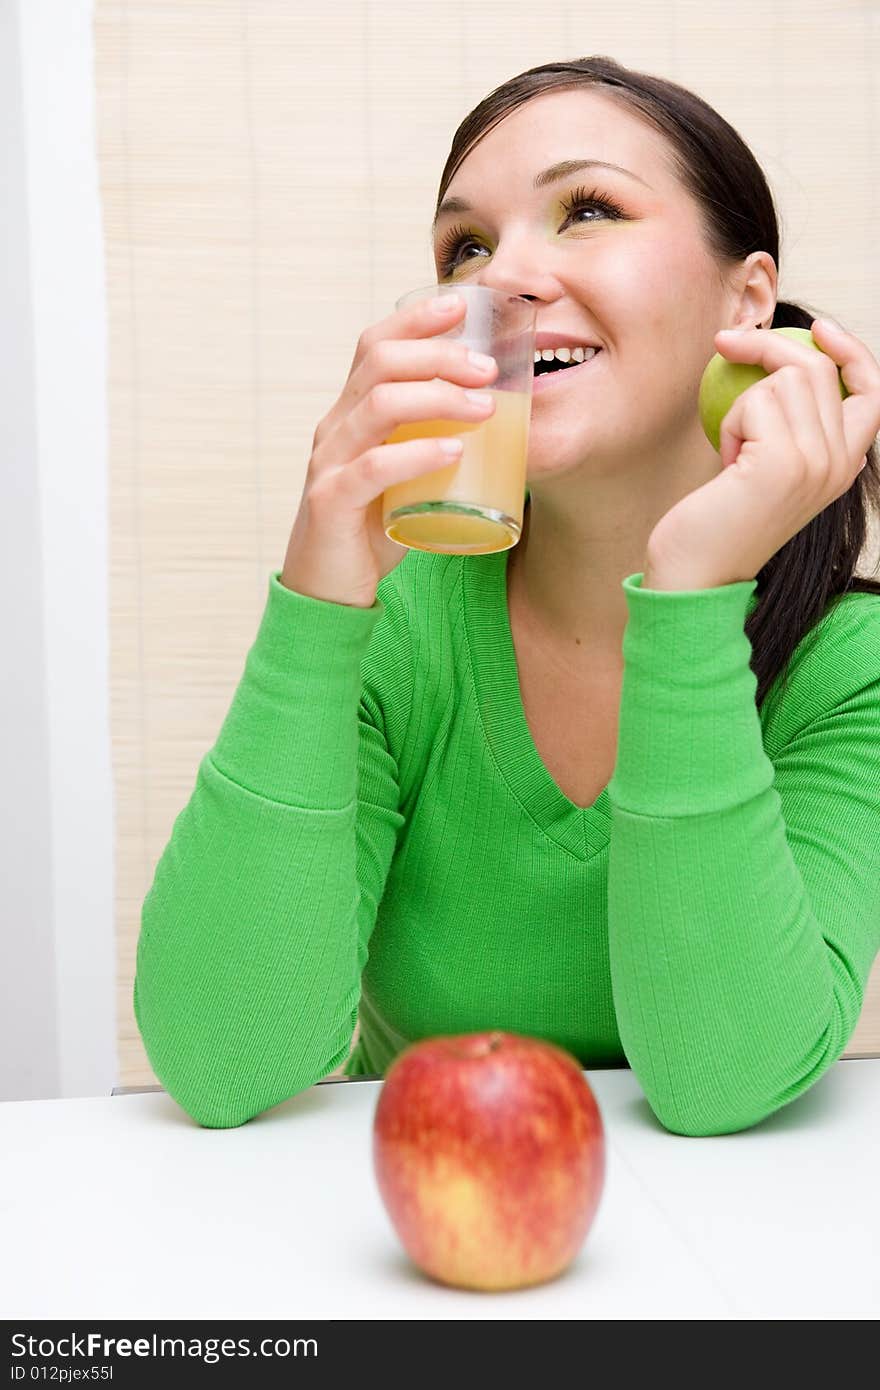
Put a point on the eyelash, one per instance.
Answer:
(458, 236)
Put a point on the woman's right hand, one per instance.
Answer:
(401, 372)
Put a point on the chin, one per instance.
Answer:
(539, 470)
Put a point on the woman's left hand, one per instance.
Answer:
(789, 447)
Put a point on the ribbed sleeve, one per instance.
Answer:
(689, 736)
(743, 894)
(254, 931)
(291, 732)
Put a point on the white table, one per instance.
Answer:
(123, 1207)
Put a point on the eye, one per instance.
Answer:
(581, 199)
(447, 252)
(457, 238)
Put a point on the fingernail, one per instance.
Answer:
(481, 398)
(481, 360)
(445, 303)
(832, 324)
(451, 446)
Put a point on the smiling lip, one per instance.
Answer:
(556, 340)
(549, 379)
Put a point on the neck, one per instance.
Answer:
(582, 535)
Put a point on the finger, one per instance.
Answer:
(860, 371)
(827, 401)
(858, 368)
(418, 319)
(755, 428)
(421, 360)
(772, 351)
(805, 410)
(391, 404)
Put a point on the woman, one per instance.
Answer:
(407, 818)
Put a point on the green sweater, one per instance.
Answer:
(374, 834)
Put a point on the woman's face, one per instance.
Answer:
(639, 282)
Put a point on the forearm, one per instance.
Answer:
(247, 960)
(725, 991)
(744, 887)
(247, 971)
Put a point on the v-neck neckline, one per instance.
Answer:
(582, 830)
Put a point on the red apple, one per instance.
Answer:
(489, 1151)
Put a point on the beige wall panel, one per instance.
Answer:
(268, 175)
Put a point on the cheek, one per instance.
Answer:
(668, 320)
(655, 288)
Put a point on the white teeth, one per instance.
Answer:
(566, 354)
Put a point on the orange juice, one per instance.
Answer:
(473, 506)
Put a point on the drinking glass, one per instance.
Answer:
(473, 506)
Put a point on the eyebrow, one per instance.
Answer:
(547, 176)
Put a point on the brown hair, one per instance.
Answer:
(798, 584)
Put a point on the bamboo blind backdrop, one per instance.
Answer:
(268, 176)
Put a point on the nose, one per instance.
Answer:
(514, 285)
(524, 281)
(519, 265)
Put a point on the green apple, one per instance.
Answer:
(723, 381)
